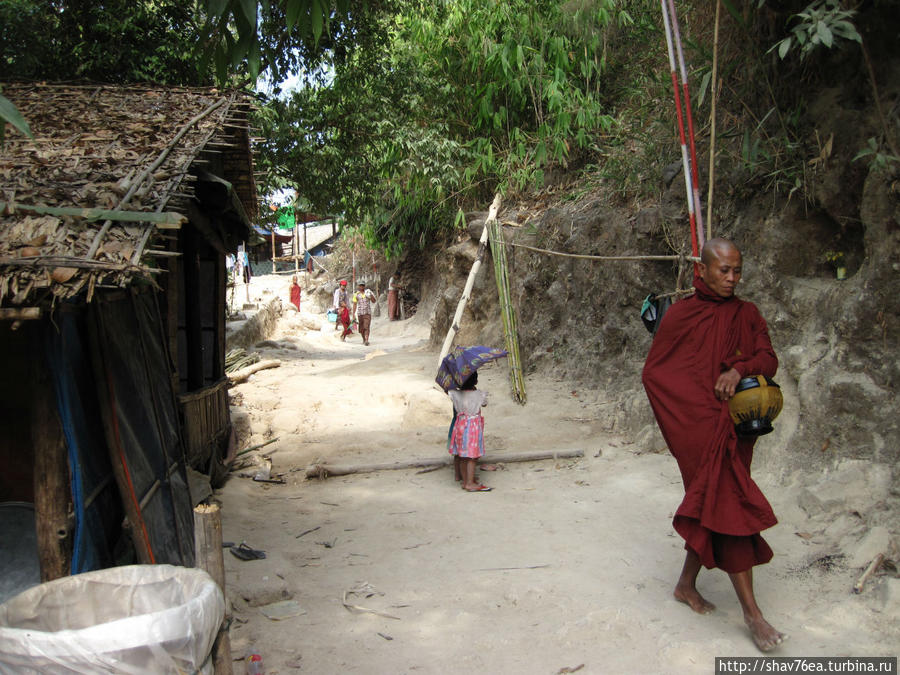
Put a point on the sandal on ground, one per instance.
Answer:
(480, 488)
(244, 552)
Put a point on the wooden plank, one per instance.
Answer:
(51, 477)
(19, 313)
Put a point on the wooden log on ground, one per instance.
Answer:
(243, 374)
(208, 557)
(325, 470)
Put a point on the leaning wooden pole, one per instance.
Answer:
(470, 282)
(712, 125)
(507, 312)
(209, 558)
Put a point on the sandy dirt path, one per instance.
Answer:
(565, 564)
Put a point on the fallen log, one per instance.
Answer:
(325, 470)
(243, 374)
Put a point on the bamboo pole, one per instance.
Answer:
(470, 282)
(685, 160)
(163, 220)
(712, 124)
(137, 182)
(209, 558)
(325, 470)
(507, 313)
(695, 177)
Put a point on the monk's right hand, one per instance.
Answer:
(726, 384)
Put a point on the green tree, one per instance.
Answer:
(114, 41)
(461, 99)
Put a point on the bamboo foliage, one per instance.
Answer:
(507, 312)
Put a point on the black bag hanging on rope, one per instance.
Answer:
(653, 310)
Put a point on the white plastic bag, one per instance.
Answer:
(135, 619)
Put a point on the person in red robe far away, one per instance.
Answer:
(704, 346)
(344, 320)
(295, 293)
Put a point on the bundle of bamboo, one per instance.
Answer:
(507, 311)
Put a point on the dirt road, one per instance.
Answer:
(565, 564)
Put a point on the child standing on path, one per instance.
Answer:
(467, 437)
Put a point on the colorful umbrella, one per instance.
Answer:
(461, 362)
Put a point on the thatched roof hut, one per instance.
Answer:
(114, 224)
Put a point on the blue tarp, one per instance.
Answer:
(97, 506)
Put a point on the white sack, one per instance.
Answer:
(135, 619)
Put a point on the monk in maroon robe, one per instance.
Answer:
(295, 293)
(704, 346)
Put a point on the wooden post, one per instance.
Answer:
(273, 249)
(209, 558)
(470, 282)
(193, 305)
(51, 478)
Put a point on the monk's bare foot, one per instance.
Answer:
(692, 598)
(764, 635)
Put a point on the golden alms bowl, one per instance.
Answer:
(756, 402)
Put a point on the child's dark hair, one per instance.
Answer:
(470, 382)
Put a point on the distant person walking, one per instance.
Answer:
(295, 293)
(245, 263)
(340, 295)
(393, 296)
(344, 320)
(362, 308)
(467, 437)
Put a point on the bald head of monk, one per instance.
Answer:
(721, 266)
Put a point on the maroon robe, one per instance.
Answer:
(723, 510)
(295, 296)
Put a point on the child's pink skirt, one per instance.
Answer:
(467, 439)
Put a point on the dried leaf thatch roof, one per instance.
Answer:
(131, 150)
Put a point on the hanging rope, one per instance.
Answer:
(604, 257)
